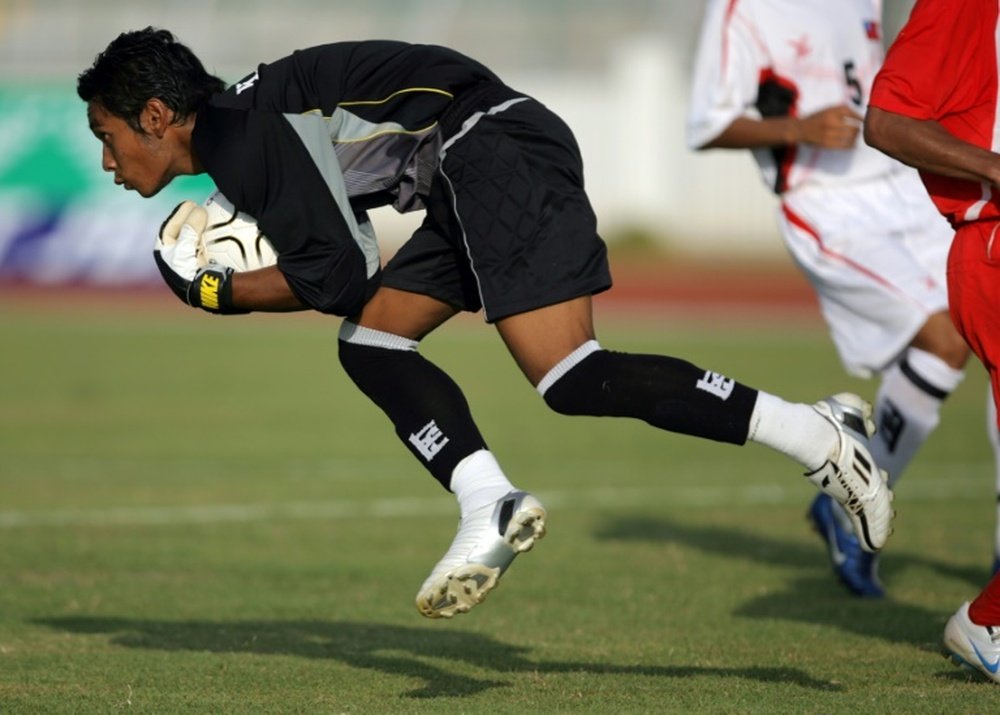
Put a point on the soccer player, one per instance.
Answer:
(934, 106)
(308, 143)
(790, 82)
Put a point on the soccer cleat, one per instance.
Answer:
(852, 478)
(486, 544)
(972, 646)
(856, 568)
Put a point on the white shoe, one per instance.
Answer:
(853, 478)
(972, 646)
(486, 544)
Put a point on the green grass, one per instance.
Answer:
(202, 515)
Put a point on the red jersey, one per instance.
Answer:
(943, 67)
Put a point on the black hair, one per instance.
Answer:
(140, 65)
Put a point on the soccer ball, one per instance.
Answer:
(232, 238)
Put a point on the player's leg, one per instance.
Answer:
(993, 430)
(828, 439)
(907, 410)
(879, 274)
(913, 390)
(972, 635)
(379, 351)
(531, 237)
(972, 645)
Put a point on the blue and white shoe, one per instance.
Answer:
(484, 547)
(856, 568)
(972, 646)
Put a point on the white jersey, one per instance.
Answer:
(759, 58)
(859, 224)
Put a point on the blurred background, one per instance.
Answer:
(618, 72)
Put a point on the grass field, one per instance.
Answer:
(201, 515)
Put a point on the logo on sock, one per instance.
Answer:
(429, 440)
(716, 384)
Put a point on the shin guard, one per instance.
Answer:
(426, 407)
(666, 392)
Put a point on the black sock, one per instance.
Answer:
(666, 392)
(427, 408)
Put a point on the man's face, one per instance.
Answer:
(139, 161)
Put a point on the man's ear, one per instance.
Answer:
(156, 117)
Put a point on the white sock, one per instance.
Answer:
(908, 408)
(794, 429)
(478, 481)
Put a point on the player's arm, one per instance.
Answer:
(830, 128)
(731, 107)
(284, 172)
(214, 287)
(265, 289)
(926, 145)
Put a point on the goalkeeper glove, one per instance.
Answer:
(176, 253)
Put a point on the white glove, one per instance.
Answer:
(177, 243)
(207, 287)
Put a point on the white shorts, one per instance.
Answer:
(876, 254)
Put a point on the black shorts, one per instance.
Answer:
(509, 227)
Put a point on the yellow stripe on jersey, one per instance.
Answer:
(408, 90)
(384, 132)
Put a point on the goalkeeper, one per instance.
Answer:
(308, 143)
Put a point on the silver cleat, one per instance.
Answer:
(852, 478)
(487, 542)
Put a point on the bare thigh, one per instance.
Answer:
(539, 339)
(411, 315)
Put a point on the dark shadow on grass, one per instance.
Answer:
(811, 600)
(817, 599)
(746, 545)
(965, 675)
(420, 653)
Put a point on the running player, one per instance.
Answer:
(934, 105)
(790, 82)
(308, 143)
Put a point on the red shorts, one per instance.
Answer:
(974, 292)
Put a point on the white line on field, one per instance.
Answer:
(964, 488)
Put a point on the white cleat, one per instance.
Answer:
(486, 544)
(853, 478)
(972, 646)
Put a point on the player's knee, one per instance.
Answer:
(365, 353)
(939, 337)
(354, 358)
(956, 354)
(573, 393)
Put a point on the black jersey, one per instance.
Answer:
(308, 143)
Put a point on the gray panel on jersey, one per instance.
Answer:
(313, 133)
